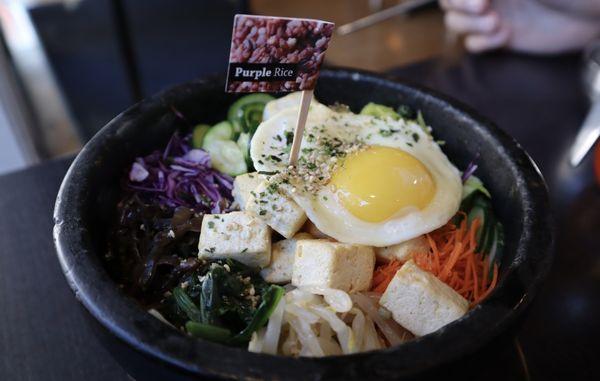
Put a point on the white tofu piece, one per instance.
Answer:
(342, 266)
(312, 229)
(276, 209)
(282, 260)
(420, 302)
(236, 235)
(243, 185)
(402, 251)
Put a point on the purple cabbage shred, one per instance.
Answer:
(471, 168)
(181, 176)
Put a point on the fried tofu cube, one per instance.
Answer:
(402, 251)
(237, 235)
(420, 302)
(282, 259)
(342, 266)
(243, 185)
(270, 203)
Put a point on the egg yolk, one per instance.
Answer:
(377, 183)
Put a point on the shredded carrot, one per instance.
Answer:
(383, 275)
(454, 260)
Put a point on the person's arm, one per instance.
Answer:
(580, 8)
(523, 25)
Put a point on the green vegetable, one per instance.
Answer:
(220, 131)
(379, 111)
(225, 154)
(185, 303)
(481, 208)
(245, 114)
(244, 143)
(211, 332)
(224, 294)
(497, 248)
(421, 122)
(227, 294)
(405, 112)
(269, 302)
(208, 332)
(227, 157)
(476, 203)
(472, 185)
(209, 298)
(490, 237)
(253, 114)
(198, 135)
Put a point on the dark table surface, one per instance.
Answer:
(540, 101)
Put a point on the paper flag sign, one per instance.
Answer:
(276, 54)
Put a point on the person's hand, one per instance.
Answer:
(537, 26)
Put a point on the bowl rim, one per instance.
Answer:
(99, 298)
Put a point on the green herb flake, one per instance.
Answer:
(289, 137)
(272, 188)
(267, 173)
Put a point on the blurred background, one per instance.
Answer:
(69, 66)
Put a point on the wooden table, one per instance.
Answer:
(540, 102)
(394, 42)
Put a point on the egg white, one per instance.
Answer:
(324, 208)
(289, 101)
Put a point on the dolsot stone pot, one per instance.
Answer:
(149, 349)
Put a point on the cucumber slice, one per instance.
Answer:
(253, 114)
(220, 131)
(482, 208)
(244, 143)
(198, 135)
(482, 215)
(226, 156)
(236, 112)
(379, 111)
(497, 248)
(489, 234)
(473, 185)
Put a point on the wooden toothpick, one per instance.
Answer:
(300, 124)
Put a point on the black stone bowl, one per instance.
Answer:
(149, 349)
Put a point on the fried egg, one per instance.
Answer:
(360, 179)
(289, 101)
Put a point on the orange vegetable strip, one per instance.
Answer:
(451, 262)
